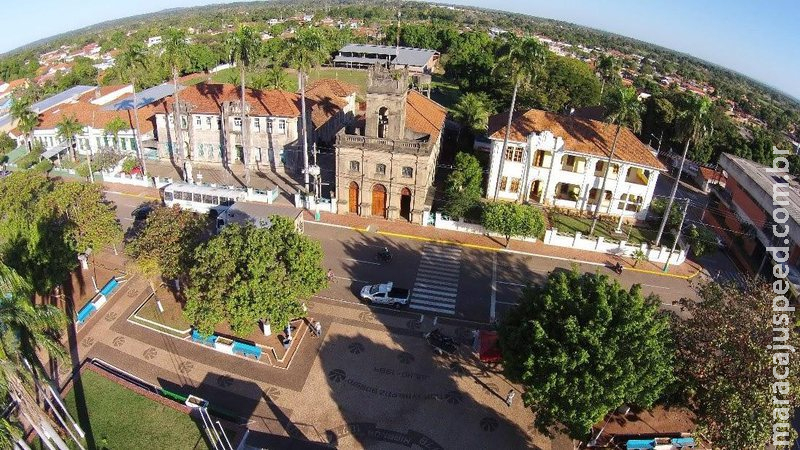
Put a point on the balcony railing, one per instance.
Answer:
(347, 139)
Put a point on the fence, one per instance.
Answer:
(314, 204)
(598, 244)
(258, 195)
(123, 178)
(446, 223)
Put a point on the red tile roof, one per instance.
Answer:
(207, 98)
(580, 135)
(340, 88)
(424, 115)
(97, 117)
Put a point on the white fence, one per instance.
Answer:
(257, 195)
(622, 248)
(123, 178)
(314, 204)
(446, 223)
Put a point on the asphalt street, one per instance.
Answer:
(446, 280)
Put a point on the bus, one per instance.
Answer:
(200, 198)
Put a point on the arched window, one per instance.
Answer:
(380, 169)
(383, 121)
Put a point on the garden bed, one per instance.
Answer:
(570, 224)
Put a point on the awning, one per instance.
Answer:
(53, 151)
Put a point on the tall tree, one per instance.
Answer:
(114, 127)
(166, 243)
(522, 60)
(607, 68)
(88, 218)
(625, 110)
(513, 219)
(26, 332)
(133, 58)
(692, 124)
(463, 190)
(304, 51)
(66, 129)
(472, 111)
(246, 274)
(728, 346)
(176, 52)
(26, 119)
(581, 345)
(244, 46)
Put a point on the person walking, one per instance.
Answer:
(510, 397)
(317, 328)
(330, 276)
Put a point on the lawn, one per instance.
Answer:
(444, 92)
(172, 315)
(123, 419)
(570, 225)
(355, 77)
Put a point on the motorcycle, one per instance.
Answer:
(617, 268)
(384, 255)
(441, 343)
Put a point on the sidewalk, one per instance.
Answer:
(403, 229)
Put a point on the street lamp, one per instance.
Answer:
(659, 139)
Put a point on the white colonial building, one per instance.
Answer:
(560, 161)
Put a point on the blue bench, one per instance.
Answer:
(207, 340)
(247, 349)
(86, 311)
(683, 442)
(109, 287)
(640, 444)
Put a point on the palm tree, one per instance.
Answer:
(624, 110)
(113, 127)
(303, 51)
(67, 128)
(523, 59)
(25, 331)
(471, 111)
(276, 78)
(133, 57)
(26, 118)
(244, 46)
(692, 124)
(606, 68)
(176, 53)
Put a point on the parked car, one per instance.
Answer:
(142, 212)
(4, 173)
(386, 294)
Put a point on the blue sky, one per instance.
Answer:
(757, 38)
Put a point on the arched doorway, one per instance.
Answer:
(379, 200)
(353, 198)
(405, 204)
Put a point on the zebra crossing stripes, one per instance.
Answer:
(436, 287)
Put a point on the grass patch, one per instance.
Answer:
(570, 225)
(172, 315)
(444, 92)
(357, 78)
(123, 419)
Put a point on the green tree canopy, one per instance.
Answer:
(89, 219)
(472, 110)
(582, 346)
(166, 243)
(471, 60)
(246, 274)
(724, 357)
(464, 186)
(513, 219)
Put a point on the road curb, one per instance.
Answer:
(126, 194)
(503, 250)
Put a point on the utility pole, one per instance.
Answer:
(677, 235)
(672, 195)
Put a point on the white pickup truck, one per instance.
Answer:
(386, 294)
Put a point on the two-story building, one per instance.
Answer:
(558, 160)
(211, 129)
(94, 109)
(386, 163)
(742, 215)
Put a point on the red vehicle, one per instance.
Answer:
(489, 347)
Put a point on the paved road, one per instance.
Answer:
(452, 281)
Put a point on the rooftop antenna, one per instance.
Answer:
(397, 47)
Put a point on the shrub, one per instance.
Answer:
(27, 161)
(43, 166)
(129, 164)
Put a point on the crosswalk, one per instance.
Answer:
(729, 276)
(436, 286)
